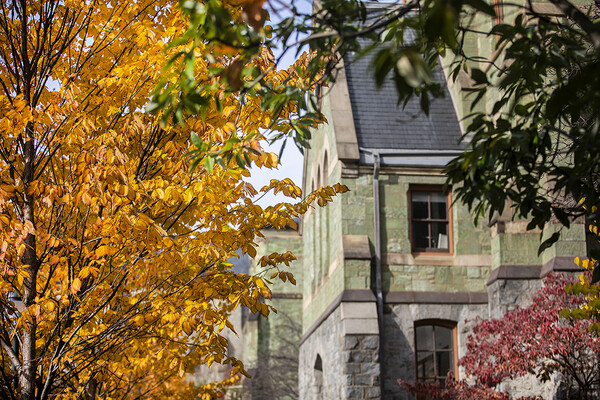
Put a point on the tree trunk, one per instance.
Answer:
(27, 377)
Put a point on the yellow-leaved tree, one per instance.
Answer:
(588, 285)
(115, 248)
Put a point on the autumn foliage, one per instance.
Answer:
(457, 390)
(535, 340)
(118, 250)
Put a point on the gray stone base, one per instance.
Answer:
(336, 362)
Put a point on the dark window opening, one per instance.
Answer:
(435, 353)
(430, 221)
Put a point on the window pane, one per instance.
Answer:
(420, 234)
(444, 362)
(420, 206)
(424, 337)
(425, 366)
(434, 349)
(439, 235)
(439, 205)
(443, 338)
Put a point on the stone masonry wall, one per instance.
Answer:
(507, 294)
(399, 339)
(361, 379)
(348, 366)
(327, 342)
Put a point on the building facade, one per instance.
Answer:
(394, 269)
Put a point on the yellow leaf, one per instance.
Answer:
(86, 199)
(75, 285)
(187, 328)
(181, 369)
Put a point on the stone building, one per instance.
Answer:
(393, 269)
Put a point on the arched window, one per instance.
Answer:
(319, 234)
(326, 216)
(318, 377)
(319, 177)
(325, 170)
(435, 349)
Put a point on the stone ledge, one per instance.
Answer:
(468, 260)
(356, 247)
(279, 295)
(436, 297)
(560, 264)
(366, 296)
(515, 272)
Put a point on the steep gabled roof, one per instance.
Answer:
(381, 123)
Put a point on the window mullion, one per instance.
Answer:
(435, 368)
(429, 245)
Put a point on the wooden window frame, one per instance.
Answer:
(443, 323)
(431, 188)
(499, 9)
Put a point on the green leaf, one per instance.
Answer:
(561, 216)
(209, 163)
(425, 103)
(194, 164)
(548, 242)
(196, 141)
(482, 6)
(479, 76)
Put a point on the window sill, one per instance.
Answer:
(433, 258)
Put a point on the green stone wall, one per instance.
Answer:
(271, 344)
(280, 242)
(322, 227)
(572, 242)
(447, 273)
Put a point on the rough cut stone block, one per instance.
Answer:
(347, 380)
(370, 342)
(373, 393)
(351, 368)
(354, 392)
(508, 298)
(370, 368)
(362, 356)
(357, 246)
(364, 380)
(350, 342)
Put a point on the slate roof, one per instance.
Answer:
(382, 124)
